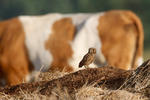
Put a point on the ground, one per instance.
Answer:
(105, 83)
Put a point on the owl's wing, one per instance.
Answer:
(89, 59)
(86, 59)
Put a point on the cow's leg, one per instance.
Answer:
(14, 62)
(15, 66)
(14, 77)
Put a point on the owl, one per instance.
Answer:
(88, 58)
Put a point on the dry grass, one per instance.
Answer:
(134, 88)
(93, 93)
(84, 93)
(47, 76)
(26, 96)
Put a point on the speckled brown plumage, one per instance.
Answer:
(88, 58)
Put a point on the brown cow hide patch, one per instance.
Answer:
(14, 62)
(59, 44)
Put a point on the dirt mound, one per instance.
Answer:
(108, 78)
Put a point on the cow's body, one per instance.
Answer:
(59, 41)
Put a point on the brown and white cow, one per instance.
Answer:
(59, 41)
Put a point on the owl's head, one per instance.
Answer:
(92, 50)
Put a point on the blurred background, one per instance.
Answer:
(12, 8)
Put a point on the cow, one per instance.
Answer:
(59, 41)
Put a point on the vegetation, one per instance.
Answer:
(105, 83)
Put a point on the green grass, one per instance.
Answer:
(146, 54)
